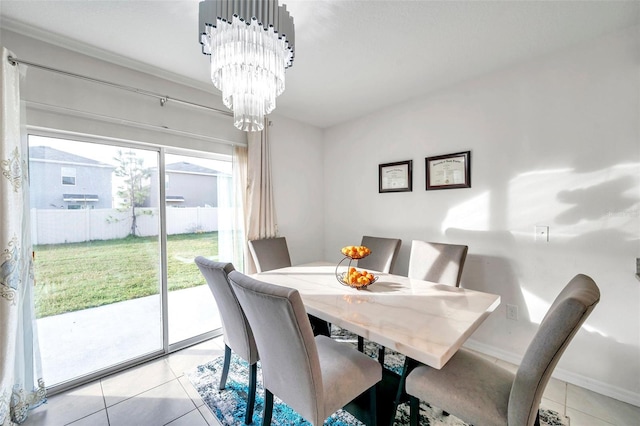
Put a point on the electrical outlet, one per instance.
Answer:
(542, 233)
(512, 312)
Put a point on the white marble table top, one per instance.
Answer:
(426, 321)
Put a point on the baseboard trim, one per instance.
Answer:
(561, 374)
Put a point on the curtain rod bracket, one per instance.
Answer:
(163, 101)
(12, 60)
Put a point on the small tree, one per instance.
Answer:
(134, 190)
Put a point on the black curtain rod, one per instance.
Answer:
(163, 99)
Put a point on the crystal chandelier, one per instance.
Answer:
(250, 43)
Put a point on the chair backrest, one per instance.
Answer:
(562, 321)
(288, 351)
(437, 262)
(237, 332)
(384, 252)
(270, 253)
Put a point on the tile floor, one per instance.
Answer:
(158, 393)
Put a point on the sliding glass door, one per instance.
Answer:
(100, 255)
(193, 218)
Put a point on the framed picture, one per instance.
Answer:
(449, 171)
(395, 177)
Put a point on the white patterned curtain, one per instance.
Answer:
(260, 218)
(21, 384)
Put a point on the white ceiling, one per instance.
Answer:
(351, 57)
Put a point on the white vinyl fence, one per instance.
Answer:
(49, 226)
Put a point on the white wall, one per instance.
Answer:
(554, 141)
(298, 171)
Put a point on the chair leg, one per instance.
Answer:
(373, 405)
(537, 422)
(251, 397)
(381, 355)
(360, 344)
(414, 410)
(320, 327)
(409, 364)
(268, 408)
(225, 367)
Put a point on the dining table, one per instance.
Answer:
(423, 320)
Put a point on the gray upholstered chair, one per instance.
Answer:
(237, 334)
(384, 252)
(481, 392)
(437, 262)
(315, 376)
(273, 253)
(270, 253)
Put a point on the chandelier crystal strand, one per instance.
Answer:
(247, 64)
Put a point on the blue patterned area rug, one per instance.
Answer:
(229, 405)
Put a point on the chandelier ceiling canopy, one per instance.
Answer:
(250, 43)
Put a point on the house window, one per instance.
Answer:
(68, 175)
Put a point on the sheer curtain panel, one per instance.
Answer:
(231, 193)
(260, 215)
(21, 384)
(241, 250)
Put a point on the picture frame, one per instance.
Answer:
(448, 171)
(395, 177)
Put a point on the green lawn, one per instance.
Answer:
(75, 276)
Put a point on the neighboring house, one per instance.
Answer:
(61, 180)
(186, 185)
